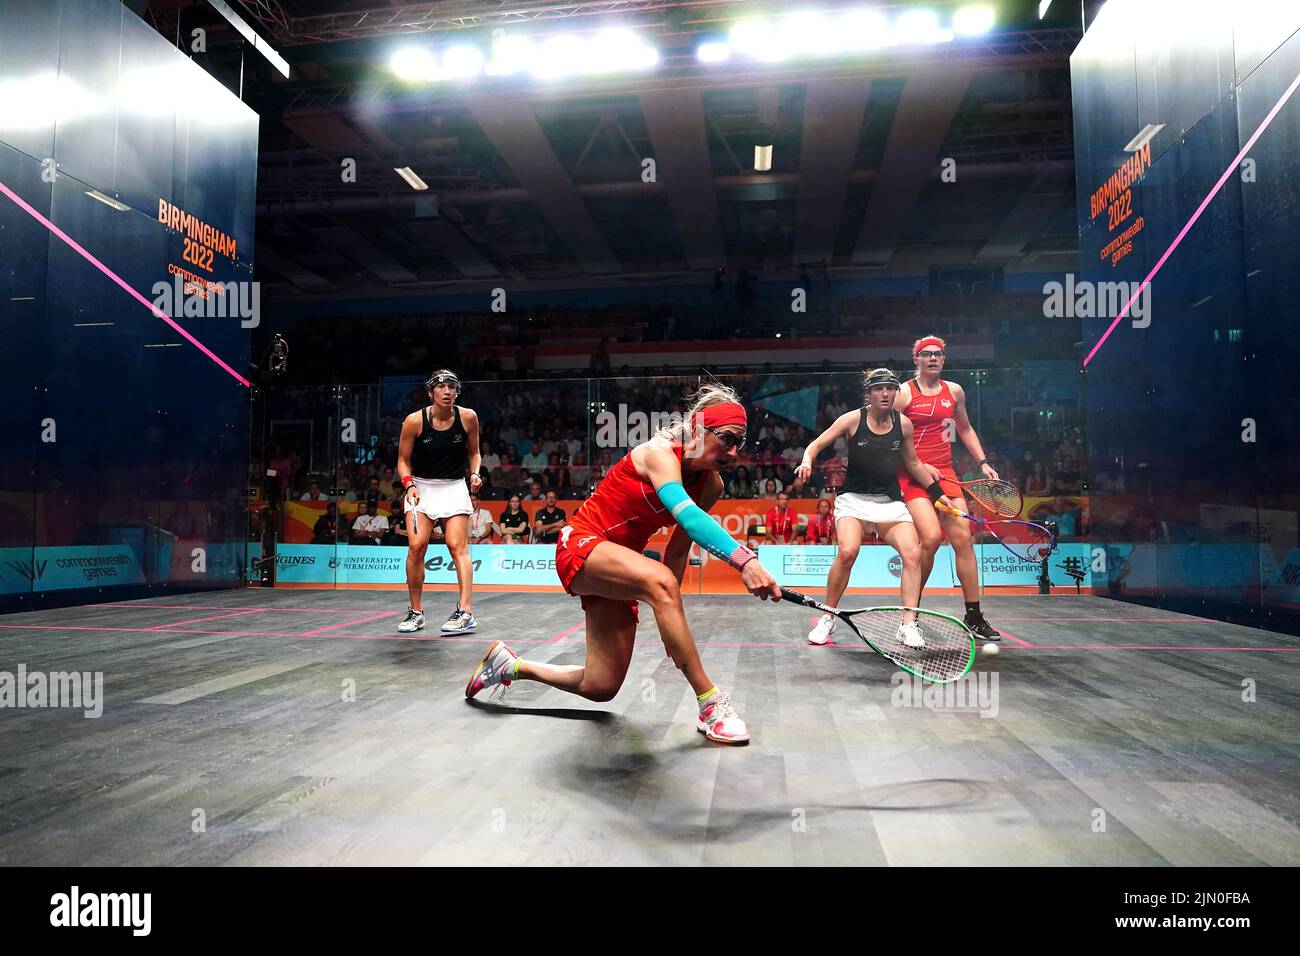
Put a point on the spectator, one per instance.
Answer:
(556, 475)
(575, 449)
(374, 495)
(535, 492)
(344, 489)
(535, 461)
(313, 492)
(481, 525)
(548, 521)
(326, 529)
(369, 528)
(1037, 484)
(489, 458)
(770, 489)
(580, 471)
(504, 475)
(396, 536)
(548, 443)
(282, 463)
(513, 523)
(781, 521)
(821, 526)
(1068, 480)
(742, 486)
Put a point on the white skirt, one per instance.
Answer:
(873, 509)
(442, 497)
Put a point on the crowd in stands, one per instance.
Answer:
(557, 439)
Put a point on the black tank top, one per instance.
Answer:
(875, 460)
(440, 454)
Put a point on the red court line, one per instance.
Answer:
(363, 620)
(1152, 647)
(1020, 642)
(198, 620)
(1119, 620)
(563, 634)
(216, 607)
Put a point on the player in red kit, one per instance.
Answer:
(672, 477)
(937, 411)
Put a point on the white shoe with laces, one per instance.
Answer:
(823, 631)
(719, 721)
(910, 633)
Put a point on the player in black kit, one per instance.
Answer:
(438, 445)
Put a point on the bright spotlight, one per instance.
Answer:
(560, 56)
(810, 33)
(919, 26)
(715, 52)
(760, 40)
(462, 62)
(864, 30)
(415, 64)
(972, 21)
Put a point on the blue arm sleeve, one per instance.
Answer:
(702, 529)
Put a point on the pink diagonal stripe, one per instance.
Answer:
(199, 620)
(76, 247)
(1019, 642)
(362, 620)
(1197, 215)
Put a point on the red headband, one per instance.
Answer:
(932, 340)
(726, 413)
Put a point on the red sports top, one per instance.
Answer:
(820, 527)
(928, 413)
(625, 508)
(780, 524)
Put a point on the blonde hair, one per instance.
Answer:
(712, 393)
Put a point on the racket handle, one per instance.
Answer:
(794, 597)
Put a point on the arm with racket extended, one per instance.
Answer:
(679, 545)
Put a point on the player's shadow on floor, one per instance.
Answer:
(563, 713)
(647, 779)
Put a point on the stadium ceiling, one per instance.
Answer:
(547, 184)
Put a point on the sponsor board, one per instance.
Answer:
(517, 564)
(49, 569)
(877, 566)
(1000, 567)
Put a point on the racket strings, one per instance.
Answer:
(1027, 541)
(996, 496)
(946, 655)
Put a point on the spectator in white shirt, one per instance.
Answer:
(480, 522)
(490, 459)
(314, 493)
(368, 528)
